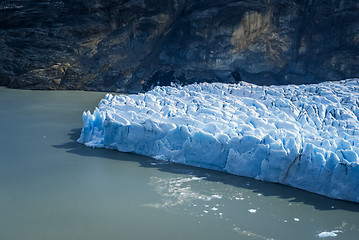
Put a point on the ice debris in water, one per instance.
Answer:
(305, 136)
(328, 234)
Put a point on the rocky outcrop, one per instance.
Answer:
(133, 45)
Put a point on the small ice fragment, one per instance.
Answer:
(214, 209)
(252, 210)
(205, 211)
(217, 196)
(296, 219)
(220, 214)
(328, 234)
(333, 207)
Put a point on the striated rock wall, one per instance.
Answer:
(133, 45)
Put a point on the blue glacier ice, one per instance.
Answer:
(305, 136)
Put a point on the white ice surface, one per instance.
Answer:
(328, 234)
(304, 136)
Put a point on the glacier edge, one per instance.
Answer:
(303, 136)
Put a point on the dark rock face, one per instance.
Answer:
(133, 45)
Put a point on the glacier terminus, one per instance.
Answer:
(305, 136)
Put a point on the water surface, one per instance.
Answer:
(54, 188)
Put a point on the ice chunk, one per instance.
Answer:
(304, 136)
(328, 234)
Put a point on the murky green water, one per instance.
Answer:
(54, 188)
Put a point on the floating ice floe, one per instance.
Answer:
(305, 136)
(328, 234)
(252, 210)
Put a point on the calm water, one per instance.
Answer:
(54, 188)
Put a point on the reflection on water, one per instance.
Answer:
(53, 188)
(175, 191)
(202, 199)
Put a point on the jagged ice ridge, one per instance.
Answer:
(305, 136)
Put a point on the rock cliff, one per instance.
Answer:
(133, 45)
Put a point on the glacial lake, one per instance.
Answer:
(51, 187)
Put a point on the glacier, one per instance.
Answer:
(305, 136)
